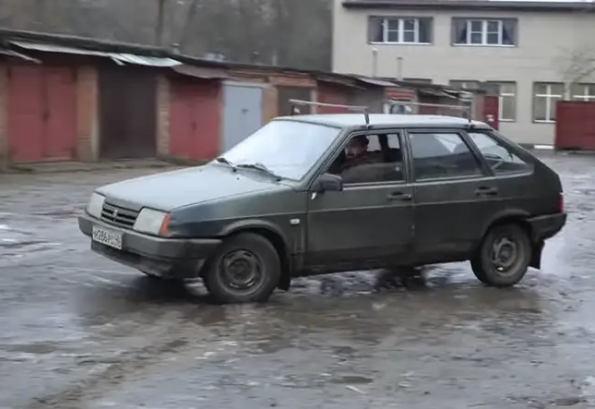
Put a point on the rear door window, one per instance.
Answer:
(439, 155)
(499, 158)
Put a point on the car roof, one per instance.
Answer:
(386, 120)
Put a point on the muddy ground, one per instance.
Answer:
(80, 332)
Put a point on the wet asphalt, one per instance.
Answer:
(80, 332)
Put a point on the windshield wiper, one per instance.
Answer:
(260, 167)
(223, 160)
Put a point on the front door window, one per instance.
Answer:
(370, 159)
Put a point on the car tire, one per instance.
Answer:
(503, 257)
(245, 269)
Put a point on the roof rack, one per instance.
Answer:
(353, 108)
(465, 109)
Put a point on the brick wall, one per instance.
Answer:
(87, 129)
(269, 104)
(271, 107)
(292, 80)
(163, 111)
(3, 116)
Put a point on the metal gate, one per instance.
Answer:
(242, 113)
(41, 113)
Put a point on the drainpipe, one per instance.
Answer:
(374, 62)
(400, 68)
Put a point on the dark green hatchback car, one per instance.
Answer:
(318, 194)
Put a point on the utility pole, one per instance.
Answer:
(159, 28)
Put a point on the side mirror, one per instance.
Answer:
(327, 182)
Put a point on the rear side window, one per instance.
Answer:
(438, 155)
(499, 157)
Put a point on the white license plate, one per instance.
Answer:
(108, 237)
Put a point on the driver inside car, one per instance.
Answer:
(357, 156)
(356, 153)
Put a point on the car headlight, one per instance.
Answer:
(95, 205)
(152, 222)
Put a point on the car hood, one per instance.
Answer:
(171, 190)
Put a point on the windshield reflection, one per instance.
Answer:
(288, 149)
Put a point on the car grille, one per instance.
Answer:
(118, 216)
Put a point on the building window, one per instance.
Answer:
(583, 92)
(544, 101)
(500, 32)
(400, 30)
(506, 92)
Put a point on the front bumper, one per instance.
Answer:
(545, 227)
(174, 258)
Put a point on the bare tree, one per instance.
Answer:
(575, 65)
(285, 32)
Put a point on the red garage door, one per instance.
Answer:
(195, 118)
(41, 113)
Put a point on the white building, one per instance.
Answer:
(532, 53)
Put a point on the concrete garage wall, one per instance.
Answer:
(162, 110)
(87, 114)
(286, 80)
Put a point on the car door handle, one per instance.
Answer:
(486, 191)
(405, 197)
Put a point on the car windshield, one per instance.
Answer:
(289, 149)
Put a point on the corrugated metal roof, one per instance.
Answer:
(119, 58)
(380, 83)
(12, 53)
(200, 72)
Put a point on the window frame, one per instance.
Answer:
(485, 171)
(504, 144)
(485, 31)
(384, 24)
(399, 132)
(501, 97)
(585, 97)
(549, 104)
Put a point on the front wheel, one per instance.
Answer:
(245, 269)
(503, 257)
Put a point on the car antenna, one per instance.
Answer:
(296, 103)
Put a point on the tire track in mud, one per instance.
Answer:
(129, 365)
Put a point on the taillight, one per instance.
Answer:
(561, 203)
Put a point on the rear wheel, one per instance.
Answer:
(245, 269)
(503, 257)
